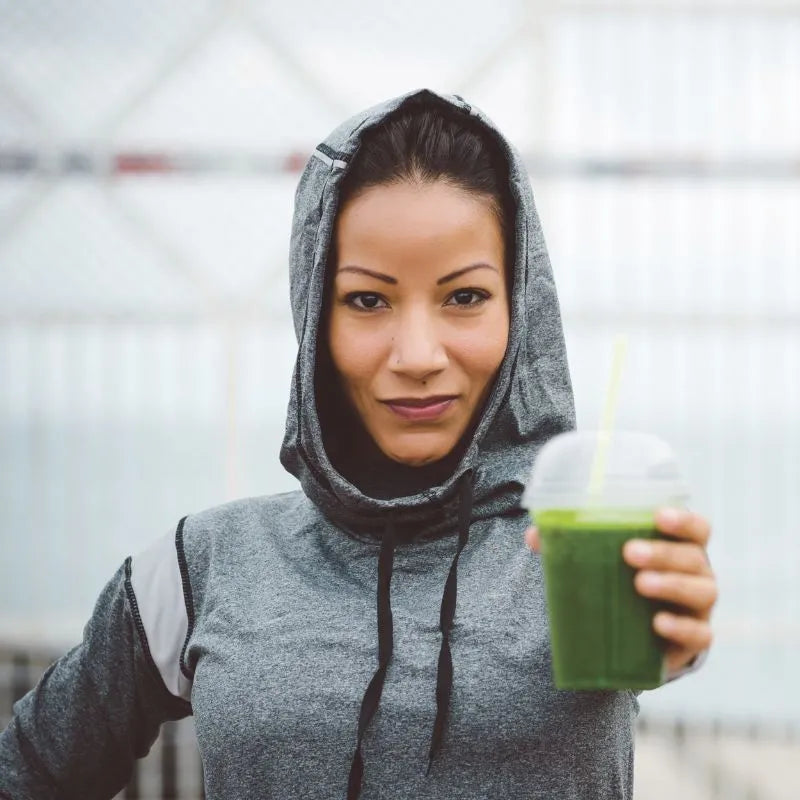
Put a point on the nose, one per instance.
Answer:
(417, 349)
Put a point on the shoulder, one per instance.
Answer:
(231, 525)
(166, 579)
(227, 542)
(248, 511)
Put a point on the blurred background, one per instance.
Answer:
(148, 158)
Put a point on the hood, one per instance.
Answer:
(532, 395)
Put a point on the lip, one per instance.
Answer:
(420, 408)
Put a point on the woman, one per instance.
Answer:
(431, 368)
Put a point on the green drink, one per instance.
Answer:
(601, 628)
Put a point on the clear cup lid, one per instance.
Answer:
(640, 470)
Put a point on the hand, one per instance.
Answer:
(677, 572)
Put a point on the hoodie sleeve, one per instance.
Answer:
(99, 707)
(692, 666)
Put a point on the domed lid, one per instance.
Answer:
(639, 470)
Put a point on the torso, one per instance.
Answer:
(285, 643)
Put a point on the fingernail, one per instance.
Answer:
(638, 550)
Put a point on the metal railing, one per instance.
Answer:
(172, 770)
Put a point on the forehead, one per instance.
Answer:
(405, 223)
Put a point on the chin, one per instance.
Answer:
(420, 461)
(416, 456)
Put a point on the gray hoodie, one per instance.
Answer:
(259, 617)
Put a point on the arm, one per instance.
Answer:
(98, 708)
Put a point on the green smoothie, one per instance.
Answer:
(600, 627)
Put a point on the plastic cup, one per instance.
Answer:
(601, 631)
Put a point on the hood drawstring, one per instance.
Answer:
(372, 697)
(444, 674)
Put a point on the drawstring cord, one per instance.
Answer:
(444, 672)
(372, 697)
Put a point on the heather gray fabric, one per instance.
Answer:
(280, 603)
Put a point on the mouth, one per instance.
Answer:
(420, 408)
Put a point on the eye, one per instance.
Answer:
(468, 297)
(365, 301)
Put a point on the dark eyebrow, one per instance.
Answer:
(364, 271)
(459, 272)
(389, 279)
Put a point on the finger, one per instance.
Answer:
(696, 593)
(690, 634)
(683, 524)
(532, 539)
(667, 556)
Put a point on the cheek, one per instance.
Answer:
(357, 352)
(480, 351)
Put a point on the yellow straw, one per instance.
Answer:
(609, 413)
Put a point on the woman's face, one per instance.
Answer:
(419, 318)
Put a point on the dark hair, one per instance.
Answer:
(422, 142)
